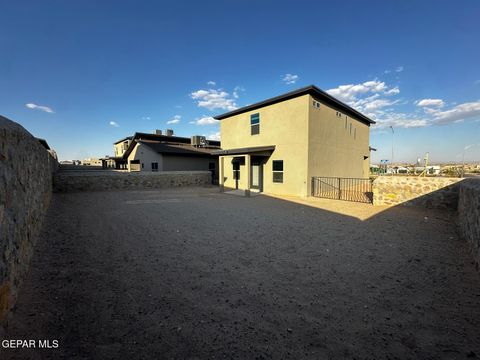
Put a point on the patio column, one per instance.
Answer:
(248, 174)
(221, 172)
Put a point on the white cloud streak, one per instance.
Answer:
(431, 102)
(205, 120)
(290, 79)
(40, 107)
(176, 119)
(114, 124)
(458, 113)
(376, 100)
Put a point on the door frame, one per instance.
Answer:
(258, 163)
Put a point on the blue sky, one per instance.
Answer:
(83, 74)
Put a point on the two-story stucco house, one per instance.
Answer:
(279, 144)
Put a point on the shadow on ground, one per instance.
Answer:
(194, 274)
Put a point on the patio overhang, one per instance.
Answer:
(256, 151)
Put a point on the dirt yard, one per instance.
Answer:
(195, 274)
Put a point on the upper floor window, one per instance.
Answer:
(316, 104)
(339, 114)
(255, 124)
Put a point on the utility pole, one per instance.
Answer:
(391, 161)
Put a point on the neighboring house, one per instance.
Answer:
(279, 144)
(92, 162)
(431, 169)
(119, 148)
(157, 152)
(47, 147)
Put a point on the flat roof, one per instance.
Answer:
(165, 138)
(312, 90)
(163, 148)
(124, 139)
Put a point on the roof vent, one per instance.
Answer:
(158, 132)
(169, 132)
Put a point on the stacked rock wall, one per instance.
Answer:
(26, 173)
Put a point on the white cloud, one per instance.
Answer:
(236, 90)
(290, 79)
(399, 69)
(211, 83)
(214, 136)
(113, 123)
(176, 119)
(431, 102)
(378, 101)
(378, 104)
(350, 93)
(212, 99)
(458, 113)
(145, 117)
(205, 120)
(39, 107)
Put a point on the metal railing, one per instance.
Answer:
(348, 189)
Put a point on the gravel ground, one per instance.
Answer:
(195, 274)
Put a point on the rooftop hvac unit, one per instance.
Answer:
(198, 141)
(158, 132)
(169, 132)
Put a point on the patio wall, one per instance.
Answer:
(469, 215)
(430, 192)
(26, 169)
(113, 180)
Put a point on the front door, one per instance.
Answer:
(257, 176)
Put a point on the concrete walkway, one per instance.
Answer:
(196, 274)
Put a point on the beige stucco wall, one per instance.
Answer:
(121, 147)
(184, 163)
(169, 162)
(334, 149)
(146, 156)
(284, 125)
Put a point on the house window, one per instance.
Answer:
(354, 133)
(345, 123)
(154, 166)
(277, 171)
(236, 170)
(316, 104)
(350, 128)
(255, 123)
(339, 114)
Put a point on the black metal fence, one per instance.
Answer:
(349, 189)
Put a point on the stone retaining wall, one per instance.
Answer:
(430, 192)
(469, 215)
(26, 170)
(114, 180)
